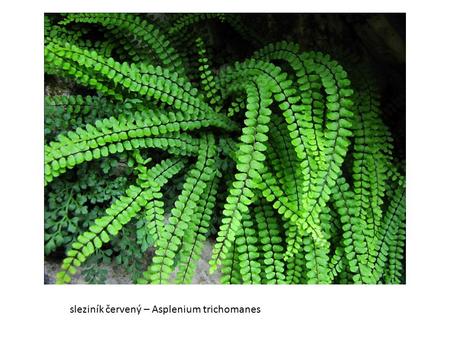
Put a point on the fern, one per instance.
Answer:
(282, 158)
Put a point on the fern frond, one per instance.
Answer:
(140, 28)
(285, 162)
(355, 246)
(124, 133)
(316, 256)
(388, 244)
(58, 162)
(230, 267)
(295, 268)
(296, 230)
(195, 236)
(181, 215)
(237, 106)
(127, 47)
(373, 161)
(108, 76)
(250, 158)
(248, 253)
(305, 145)
(337, 262)
(208, 84)
(271, 243)
(78, 104)
(154, 180)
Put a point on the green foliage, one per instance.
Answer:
(92, 272)
(283, 158)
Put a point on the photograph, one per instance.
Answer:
(224, 148)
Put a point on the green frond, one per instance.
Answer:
(337, 262)
(250, 157)
(208, 84)
(248, 252)
(195, 236)
(182, 213)
(355, 245)
(284, 161)
(116, 79)
(140, 29)
(389, 243)
(230, 267)
(271, 243)
(115, 135)
(154, 180)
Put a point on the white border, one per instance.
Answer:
(419, 308)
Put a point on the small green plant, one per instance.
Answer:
(282, 157)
